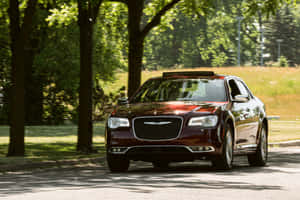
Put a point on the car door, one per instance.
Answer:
(250, 114)
(241, 112)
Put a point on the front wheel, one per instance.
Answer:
(261, 155)
(117, 163)
(224, 162)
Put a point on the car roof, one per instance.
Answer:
(195, 74)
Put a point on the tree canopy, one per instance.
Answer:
(45, 45)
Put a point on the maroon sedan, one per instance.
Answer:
(186, 116)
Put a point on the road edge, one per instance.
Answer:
(285, 143)
(51, 164)
(98, 160)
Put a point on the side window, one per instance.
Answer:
(234, 89)
(242, 88)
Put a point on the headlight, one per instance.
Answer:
(115, 122)
(204, 121)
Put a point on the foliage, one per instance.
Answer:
(61, 67)
(65, 15)
(285, 26)
(110, 46)
(195, 33)
(283, 62)
(104, 103)
(5, 56)
(196, 40)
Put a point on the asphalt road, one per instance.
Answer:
(279, 180)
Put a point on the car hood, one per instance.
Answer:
(166, 108)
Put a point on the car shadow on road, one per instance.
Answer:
(143, 178)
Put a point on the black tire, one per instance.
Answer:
(261, 155)
(225, 160)
(160, 164)
(117, 163)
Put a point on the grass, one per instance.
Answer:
(284, 131)
(277, 87)
(50, 143)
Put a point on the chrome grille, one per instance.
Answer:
(157, 127)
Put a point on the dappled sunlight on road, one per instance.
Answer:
(142, 178)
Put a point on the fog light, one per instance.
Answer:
(195, 148)
(118, 149)
(201, 148)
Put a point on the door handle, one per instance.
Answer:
(246, 115)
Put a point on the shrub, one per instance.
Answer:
(283, 62)
(103, 103)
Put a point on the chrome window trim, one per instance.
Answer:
(163, 116)
(251, 96)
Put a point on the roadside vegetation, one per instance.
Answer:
(284, 130)
(51, 143)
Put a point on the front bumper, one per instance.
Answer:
(193, 143)
(162, 152)
(162, 149)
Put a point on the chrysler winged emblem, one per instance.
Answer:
(157, 123)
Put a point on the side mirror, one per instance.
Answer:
(241, 98)
(122, 101)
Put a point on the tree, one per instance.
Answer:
(137, 37)
(5, 58)
(285, 26)
(87, 15)
(59, 59)
(19, 33)
(35, 81)
(138, 31)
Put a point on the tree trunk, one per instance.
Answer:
(136, 39)
(136, 45)
(85, 125)
(136, 50)
(19, 35)
(16, 139)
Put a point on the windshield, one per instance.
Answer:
(158, 90)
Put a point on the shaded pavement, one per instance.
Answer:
(280, 179)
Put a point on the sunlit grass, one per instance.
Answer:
(284, 130)
(51, 143)
(37, 152)
(277, 87)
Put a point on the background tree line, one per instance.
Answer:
(55, 52)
